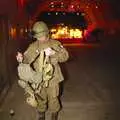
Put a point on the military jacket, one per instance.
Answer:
(31, 56)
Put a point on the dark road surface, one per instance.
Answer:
(91, 89)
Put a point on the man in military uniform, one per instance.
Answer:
(55, 53)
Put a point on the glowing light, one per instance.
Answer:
(65, 32)
(62, 6)
(13, 32)
(78, 6)
(52, 3)
(21, 31)
(72, 6)
(52, 6)
(53, 30)
(87, 6)
(78, 13)
(77, 33)
(49, 14)
(71, 33)
(96, 7)
(26, 30)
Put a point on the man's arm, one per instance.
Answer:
(61, 54)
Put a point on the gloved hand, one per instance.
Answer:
(49, 51)
(19, 57)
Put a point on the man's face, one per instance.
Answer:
(43, 39)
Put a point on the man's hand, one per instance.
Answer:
(49, 51)
(19, 57)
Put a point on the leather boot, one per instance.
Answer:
(54, 116)
(41, 115)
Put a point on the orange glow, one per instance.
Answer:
(13, 32)
(65, 32)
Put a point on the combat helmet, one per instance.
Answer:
(40, 29)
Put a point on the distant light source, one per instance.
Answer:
(78, 6)
(21, 31)
(62, 3)
(96, 7)
(87, 6)
(78, 13)
(62, 6)
(52, 6)
(72, 6)
(49, 13)
(26, 30)
(13, 32)
(52, 3)
(66, 32)
(56, 13)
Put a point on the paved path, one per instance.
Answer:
(91, 90)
